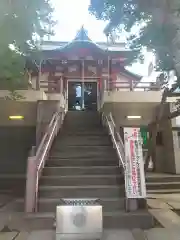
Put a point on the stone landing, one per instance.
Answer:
(136, 234)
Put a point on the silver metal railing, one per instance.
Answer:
(37, 160)
(108, 121)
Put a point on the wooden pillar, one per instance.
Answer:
(110, 74)
(65, 74)
(38, 80)
(83, 76)
(131, 85)
(60, 85)
(37, 83)
(49, 82)
(100, 83)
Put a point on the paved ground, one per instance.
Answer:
(163, 206)
(153, 234)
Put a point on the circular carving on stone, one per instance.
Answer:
(79, 217)
(79, 220)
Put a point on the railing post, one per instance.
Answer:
(131, 204)
(57, 126)
(131, 85)
(31, 182)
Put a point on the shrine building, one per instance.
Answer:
(92, 67)
(87, 75)
(81, 130)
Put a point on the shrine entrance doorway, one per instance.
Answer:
(82, 96)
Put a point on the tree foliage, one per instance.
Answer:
(22, 23)
(156, 32)
(158, 28)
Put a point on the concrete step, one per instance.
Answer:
(84, 132)
(128, 220)
(109, 204)
(81, 180)
(83, 141)
(73, 171)
(84, 149)
(69, 154)
(162, 185)
(81, 138)
(156, 178)
(116, 220)
(82, 125)
(86, 129)
(81, 114)
(163, 191)
(87, 158)
(98, 191)
(81, 162)
(81, 117)
(49, 204)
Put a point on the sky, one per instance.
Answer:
(72, 14)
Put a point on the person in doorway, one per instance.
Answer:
(78, 96)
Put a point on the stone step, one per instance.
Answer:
(113, 220)
(81, 180)
(163, 191)
(75, 130)
(81, 117)
(69, 154)
(84, 149)
(82, 142)
(81, 162)
(128, 220)
(49, 204)
(90, 118)
(162, 185)
(82, 114)
(86, 158)
(82, 125)
(98, 191)
(73, 171)
(84, 132)
(162, 178)
(75, 138)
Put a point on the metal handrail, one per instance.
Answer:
(37, 162)
(45, 135)
(118, 134)
(116, 139)
(131, 204)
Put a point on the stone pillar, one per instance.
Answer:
(37, 83)
(175, 122)
(176, 144)
(165, 159)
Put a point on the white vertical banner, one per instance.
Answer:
(134, 173)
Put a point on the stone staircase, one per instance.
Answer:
(83, 164)
(162, 183)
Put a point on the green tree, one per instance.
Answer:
(22, 24)
(158, 24)
(156, 30)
